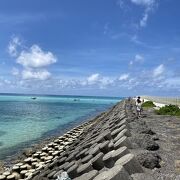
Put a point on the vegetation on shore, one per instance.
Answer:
(148, 104)
(172, 110)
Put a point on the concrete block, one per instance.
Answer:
(72, 171)
(84, 168)
(115, 173)
(118, 153)
(97, 161)
(87, 158)
(88, 176)
(142, 176)
(124, 132)
(124, 141)
(108, 160)
(104, 147)
(131, 165)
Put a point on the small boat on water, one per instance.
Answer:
(33, 98)
(76, 99)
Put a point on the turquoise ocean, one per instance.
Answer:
(25, 120)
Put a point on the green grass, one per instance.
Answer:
(169, 110)
(148, 104)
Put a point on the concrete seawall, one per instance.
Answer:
(101, 149)
(162, 101)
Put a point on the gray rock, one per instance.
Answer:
(144, 141)
(149, 160)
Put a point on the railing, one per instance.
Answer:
(163, 100)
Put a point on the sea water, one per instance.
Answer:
(25, 120)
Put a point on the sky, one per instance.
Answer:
(90, 47)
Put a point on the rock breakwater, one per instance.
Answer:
(105, 148)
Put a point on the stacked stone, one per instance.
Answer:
(100, 152)
(98, 149)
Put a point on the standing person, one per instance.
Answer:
(138, 106)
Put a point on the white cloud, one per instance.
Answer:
(106, 81)
(94, 78)
(173, 82)
(35, 57)
(131, 63)
(149, 6)
(15, 71)
(38, 75)
(97, 80)
(158, 70)
(7, 81)
(4, 82)
(33, 60)
(106, 28)
(146, 3)
(120, 3)
(12, 47)
(124, 77)
(139, 58)
(143, 21)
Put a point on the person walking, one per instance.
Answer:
(138, 106)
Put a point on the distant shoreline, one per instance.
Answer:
(56, 95)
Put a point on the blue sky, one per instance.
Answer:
(97, 47)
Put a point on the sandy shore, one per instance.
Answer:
(159, 105)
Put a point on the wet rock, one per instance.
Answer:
(28, 152)
(1, 167)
